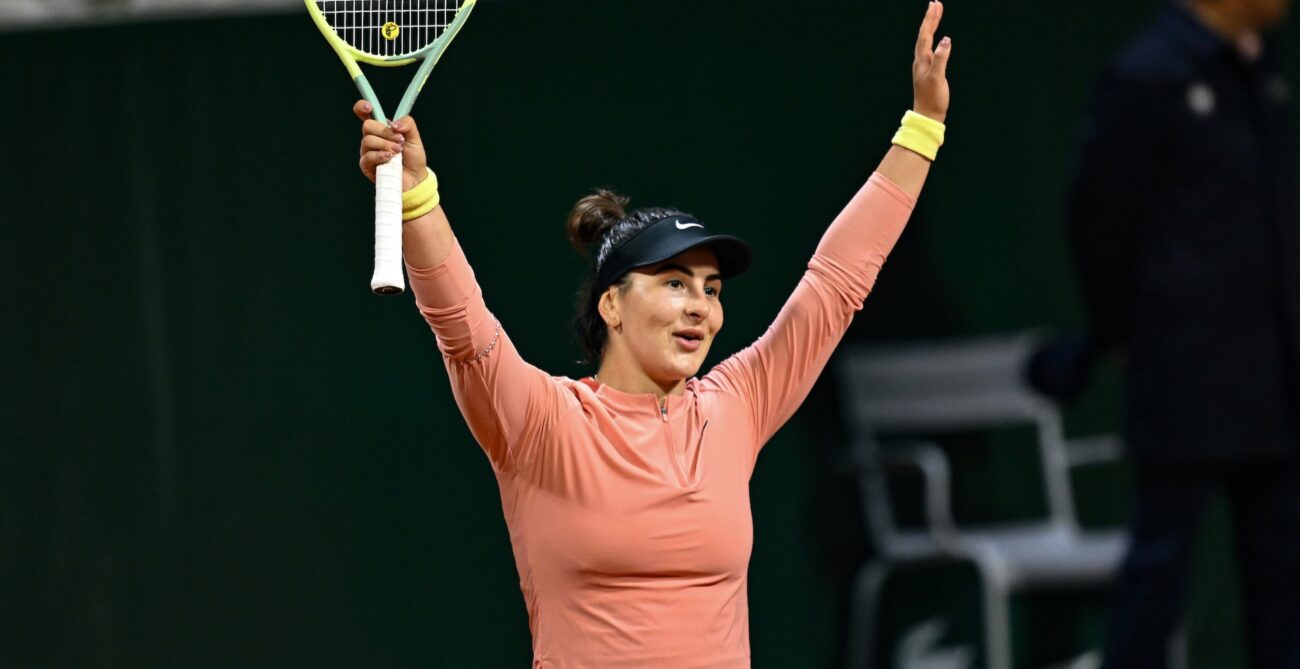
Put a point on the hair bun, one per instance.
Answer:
(593, 216)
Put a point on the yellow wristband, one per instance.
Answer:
(421, 199)
(921, 134)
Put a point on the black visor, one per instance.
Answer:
(666, 238)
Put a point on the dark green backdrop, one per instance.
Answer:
(217, 448)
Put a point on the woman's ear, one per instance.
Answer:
(608, 307)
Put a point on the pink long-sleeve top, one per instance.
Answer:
(630, 520)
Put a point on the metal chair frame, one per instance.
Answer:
(945, 387)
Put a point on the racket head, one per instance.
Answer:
(388, 33)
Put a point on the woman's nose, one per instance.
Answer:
(698, 307)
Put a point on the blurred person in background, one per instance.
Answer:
(1184, 233)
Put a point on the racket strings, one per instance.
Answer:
(389, 28)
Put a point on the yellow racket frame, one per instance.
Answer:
(351, 57)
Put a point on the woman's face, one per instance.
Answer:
(664, 317)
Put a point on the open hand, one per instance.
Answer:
(930, 68)
(379, 143)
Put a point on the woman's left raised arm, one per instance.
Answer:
(773, 376)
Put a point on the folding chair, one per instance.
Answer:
(950, 387)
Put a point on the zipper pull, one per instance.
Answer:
(663, 410)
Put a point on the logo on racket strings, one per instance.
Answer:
(390, 31)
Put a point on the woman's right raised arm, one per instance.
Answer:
(507, 403)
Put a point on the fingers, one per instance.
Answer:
(377, 143)
(373, 159)
(362, 109)
(407, 127)
(930, 67)
(380, 142)
(941, 54)
(373, 128)
(925, 38)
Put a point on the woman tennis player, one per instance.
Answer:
(627, 493)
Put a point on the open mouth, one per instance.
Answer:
(689, 339)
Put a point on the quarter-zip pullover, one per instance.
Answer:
(629, 516)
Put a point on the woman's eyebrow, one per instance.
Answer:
(674, 267)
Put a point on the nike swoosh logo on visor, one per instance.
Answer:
(684, 226)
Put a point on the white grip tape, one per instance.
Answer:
(388, 228)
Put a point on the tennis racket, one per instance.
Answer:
(389, 33)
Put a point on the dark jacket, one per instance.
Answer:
(1184, 233)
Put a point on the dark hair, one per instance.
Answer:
(601, 222)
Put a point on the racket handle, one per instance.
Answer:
(388, 229)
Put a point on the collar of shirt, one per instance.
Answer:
(641, 405)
